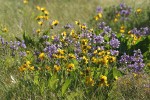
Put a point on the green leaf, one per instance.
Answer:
(36, 78)
(106, 72)
(52, 83)
(18, 39)
(116, 72)
(65, 86)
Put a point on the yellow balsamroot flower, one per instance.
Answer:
(91, 30)
(103, 81)
(122, 29)
(61, 57)
(48, 68)
(71, 56)
(55, 22)
(83, 27)
(46, 12)
(28, 52)
(46, 17)
(108, 52)
(95, 52)
(21, 69)
(38, 30)
(60, 51)
(116, 20)
(77, 22)
(85, 60)
(4, 29)
(55, 56)
(42, 9)
(118, 15)
(25, 1)
(31, 68)
(84, 41)
(72, 32)
(101, 53)
(42, 56)
(112, 59)
(64, 34)
(28, 62)
(139, 10)
(134, 74)
(24, 67)
(135, 38)
(38, 7)
(129, 32)
(98, 16)
(94, 60)
(70, 66)
(57, 68)
(116, 77)
(39, 17)
(104, 60)
(89, 81)
(40, 23)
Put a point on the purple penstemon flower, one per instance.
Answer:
(99, 10)
(114, 52)
(99, 39)
(114, 42)
(134, 62)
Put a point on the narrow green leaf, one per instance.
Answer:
(65, 86)
(116, 72)
(52, 83)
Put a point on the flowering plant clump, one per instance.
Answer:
(80, 56)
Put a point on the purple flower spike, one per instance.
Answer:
(115, 43)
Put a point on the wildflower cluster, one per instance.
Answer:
(135, 62)
(89, 57)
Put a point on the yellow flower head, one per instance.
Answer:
(40, 23)
(21, 68)
(4, 29)
(55, 22)
(77, 22)
(31, 68)
(84, 41)
(94, 60)
(25, 1)
(98, 16)
(57, 68)
(139, 10)
(116, 20)
(60, 51)
(89, 81)
(112, 59)
(71, 56)
(28, 52)
(42, 9)
(122, 29)
(28, 62)
(103, 81)
(83, 27)
(46, 12)
(48, 68)
(70, 66)
(85, 60)
(38, 31)
(42, 56)
(38, 7)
